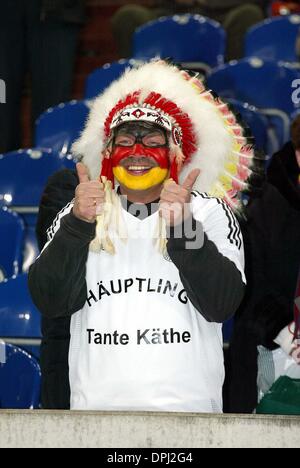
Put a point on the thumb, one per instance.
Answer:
(191, 179)
(83, 173)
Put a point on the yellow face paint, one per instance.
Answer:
(155, 176)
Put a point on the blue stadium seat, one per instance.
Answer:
(102, 77)
(274, 39)
(20, 379)
(261, 83)
(12, 232)
(60, 126)
(23, 176)
(266, 85)
(19, 318)
(183, 38)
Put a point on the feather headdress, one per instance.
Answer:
(204, 133)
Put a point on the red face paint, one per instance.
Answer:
(160, 155)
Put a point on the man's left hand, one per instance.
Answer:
(175, 199)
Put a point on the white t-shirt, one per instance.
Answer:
(139, 344)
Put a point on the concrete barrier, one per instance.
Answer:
(38, 429)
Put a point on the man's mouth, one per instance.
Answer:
(138, 169)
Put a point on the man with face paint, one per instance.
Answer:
(140, 157)
(143, 297)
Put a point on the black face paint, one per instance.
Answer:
(140, 133)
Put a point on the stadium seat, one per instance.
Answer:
(23, 176)
(12, 232)
(102, 77)
(60, 126)
(264, 84)
(188, 39)
(20, 379)
(274, 39)
(19, 318)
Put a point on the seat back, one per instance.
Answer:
(20, 379)
(12, 232)
(102, 77)
(274, 39)
(23, 176)
(183, 38)
(60, 126)
(19, 318)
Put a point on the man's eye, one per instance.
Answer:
(155, 141)
(125, 141)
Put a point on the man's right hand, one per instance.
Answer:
(89, 196)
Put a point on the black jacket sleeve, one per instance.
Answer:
(213, 283)
(270, 316)
(57, 280)
(60, 191)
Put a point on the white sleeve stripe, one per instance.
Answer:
(235, 234)
(56, 223)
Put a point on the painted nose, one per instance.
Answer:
(137, 150)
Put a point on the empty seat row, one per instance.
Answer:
(267, 85)
(273, 39)
(171, 37)
(262, 91)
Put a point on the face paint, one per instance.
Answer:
(140, 168)
(152, 178)
(140, 152)
(140, 156)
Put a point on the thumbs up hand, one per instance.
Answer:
(175, 199)
(89, 196)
